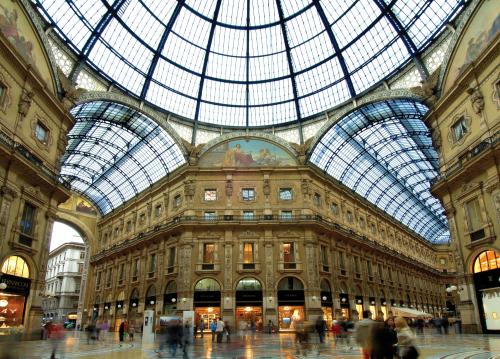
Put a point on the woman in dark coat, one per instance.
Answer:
(384, 340)
(121, 331)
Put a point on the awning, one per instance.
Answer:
(410, 313)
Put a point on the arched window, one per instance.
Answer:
(486, 261)
(151, 292)
(325, 286)
(248, 284)
(15, 265)
(171, 287)
(134, 294)
(290, 283)
(207, 284)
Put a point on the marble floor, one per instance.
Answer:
(259, 346)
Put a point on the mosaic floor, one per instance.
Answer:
(259, 346)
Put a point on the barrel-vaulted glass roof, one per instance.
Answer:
(383, 152)
(247, 62)
(115, 152)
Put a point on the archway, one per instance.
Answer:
(358, 297)
(170, 298)
(345, 307)
(207, 300)
(249, 304)
(133, 306)
(291, 303)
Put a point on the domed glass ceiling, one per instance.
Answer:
(383, 152)
(247, 62)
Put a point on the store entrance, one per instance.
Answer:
(249, 305)
(291, 303)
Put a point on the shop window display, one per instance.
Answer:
(289, 316)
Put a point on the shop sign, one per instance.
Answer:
(16, 285)
(295, 296)
(249, 296)
(207, 296)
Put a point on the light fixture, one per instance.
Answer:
(151, 302)
(314, 297)
(95, 309)
(3, 303)
(343, 300)
(359, 301)
(384, 303)
(451, 288)
(173, 300)
(248, 309)
(210, 309)
(184, 300)
(3, 286)
(286, 308)
(372, 302)
(134, 304)
(323, 297)
(119, 306)
(106, 307)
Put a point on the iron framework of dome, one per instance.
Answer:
(248, 63)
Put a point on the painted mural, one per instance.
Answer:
(246, 153)
(9, 27)
(484, 27)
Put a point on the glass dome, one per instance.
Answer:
(247, 63)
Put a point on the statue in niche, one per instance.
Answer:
(476, 99)
(267, 187)
(304, 186)
(229, 188)
(25, 103)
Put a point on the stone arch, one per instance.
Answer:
(469, 261)
(126, 100)
(25, 259)
(88, 236)
(237, 282)
(170, 287)
(215, 281)
(491, 251)
(325, 285)
(298, 281)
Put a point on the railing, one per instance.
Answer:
(300, 219)
(34, 160)
(467, 156)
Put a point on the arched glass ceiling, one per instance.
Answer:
(383, 151)
(247, 62)
(115, 152)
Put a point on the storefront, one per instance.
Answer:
(487, 284)
(207, 301)
(150, 300)
(170, 299)
(133, 309)
(13, 299)
(249, 304)
(383, 308)
(326, 302)
(291, 303)
(359, 306)
(14, 292)
(373, 308)
(345, 310)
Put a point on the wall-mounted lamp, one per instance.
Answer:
(343, 300)
(384, 303)
(151, 302)
(95, 309)
(358, 301)
(119, 306)
(3, 286)
(174, 300)
(372, 302)
(134, 304)
(106, 307)
(453, 288)
(323, 297)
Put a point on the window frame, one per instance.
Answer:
(282, 190)
(213, 192)
(248, 197)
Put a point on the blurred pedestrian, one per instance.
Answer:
(363, 333)
(406, 340)
(213, 327)
(121, 331)
(384, 340)
(320, 328)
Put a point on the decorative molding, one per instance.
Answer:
(457, 117)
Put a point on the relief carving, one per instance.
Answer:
(24, 103)
(229, 188)
(476, 99)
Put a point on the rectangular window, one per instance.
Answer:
(129, 226)
(210, 195)
(82, 254)
(142, 218)
(286, 215)
(380, 271)
(152, 265)
(248, 215)
(209, 216)
(289, 255)
(349, 216)
(28, 219)
(121, 272)
(286, 194)
(3, 93)
(324, 258)
(117, 232)
(158, 210)
(108, 278)
(136, 269)
(356, 265)
(248, 194)
(177, 201)
(459, 129)
(208, 253)
(171, 260)
(473, 215)
(335, 208)
(361, 222)
(341, 260)
(382, 234)
(248, 254)
(41, 132)
(317, 199)
(98, 279)
(369, 268)
(373, 228)
(80, 267)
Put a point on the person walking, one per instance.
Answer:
(227, 330)
(121, 331)
(219, 330)
(131, 332)
(320, 327)
(202, 327)
(384, 340)
(363, 334)
(406, 339)
(213, 327)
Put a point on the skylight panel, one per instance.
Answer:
(206, 8)
(231, 116)
(319, 77)
(226, 67)
(311, 52)
(224, 92)
(272, 115)
(192, 28)
(229, 41)
(267, 41)
(177, 79)
(291, 7)
(357, 19)
(233, 12)
(270, 92)
(304, 27)
(406, 11)
(172, 101)
(142, 22)
(263, 12)
(162, 9)
(334, 9)
(324, 99)
(268, 67)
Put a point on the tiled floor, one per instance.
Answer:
(260, 346)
